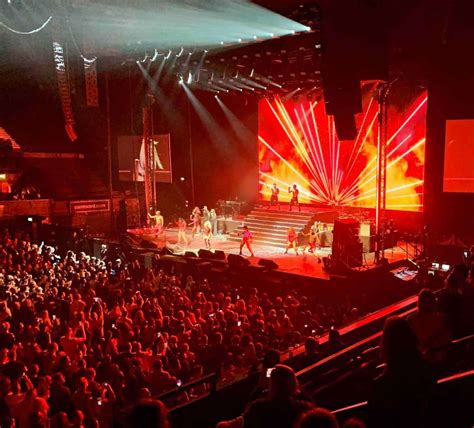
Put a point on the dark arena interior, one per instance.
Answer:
(236, 214)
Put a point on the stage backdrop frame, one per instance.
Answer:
(131, 158)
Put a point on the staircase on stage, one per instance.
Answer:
(270, 226)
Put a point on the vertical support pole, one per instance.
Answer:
(191, 157)
(109, 152)
(381, 170)
(148, 144)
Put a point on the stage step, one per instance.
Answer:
(270, 226)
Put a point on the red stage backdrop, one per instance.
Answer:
(458, 155)
(298, 144)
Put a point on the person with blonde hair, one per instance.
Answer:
(291, 240)
(158, 222)
(207, 231)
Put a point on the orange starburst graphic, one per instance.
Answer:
(298, 144)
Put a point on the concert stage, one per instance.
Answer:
(306, 265)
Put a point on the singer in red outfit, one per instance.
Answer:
(246, 240)
(292, 238)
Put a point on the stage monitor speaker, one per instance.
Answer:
(189, 254)
(268, 264)
(205, 254)
(237, 261)
(165, 251)
(147, 244)
(218, 255)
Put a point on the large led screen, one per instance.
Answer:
(298, 145)
(458, 156)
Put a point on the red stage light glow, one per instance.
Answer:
(298, 144)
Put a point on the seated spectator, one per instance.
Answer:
(148, 414)
(310, 356)
(281, 408)
(450, 303)
(317, 418)
(428, 324)
(353, 423)
(400, 395)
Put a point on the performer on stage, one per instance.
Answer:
(294, 198)
(213, 220)
(312, 237)
(158, 222)
(246, 240)
(207, 230)
(196, 221)
(274, 198)
(292, 238)
(205, 215)
(182, 239)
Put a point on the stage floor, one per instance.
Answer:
(306, 264)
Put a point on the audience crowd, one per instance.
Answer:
(84, 340)
(414, 353)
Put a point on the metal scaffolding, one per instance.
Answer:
(381, 199)
(149, 176)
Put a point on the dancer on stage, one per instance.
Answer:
(294, 198)
(312, 237)
(292, 238)
(313, 240)
(207, 231)
(274, 198)
(205, 215)
(246, 240)
(157, 222)
(182, 239)
(196, 221)
(213, 220)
